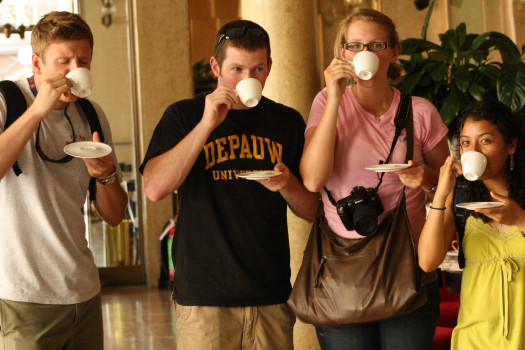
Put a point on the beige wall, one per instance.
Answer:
(206, 17)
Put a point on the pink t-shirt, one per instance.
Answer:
(362, 140)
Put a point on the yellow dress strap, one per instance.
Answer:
(508, 266)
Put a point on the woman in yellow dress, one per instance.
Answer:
(492, 311)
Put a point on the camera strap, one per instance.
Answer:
(403, 120)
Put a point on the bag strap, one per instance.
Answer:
(460, 215)
(16, 105)
(403, 120)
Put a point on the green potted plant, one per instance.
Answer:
(462, 69)
(203, 79)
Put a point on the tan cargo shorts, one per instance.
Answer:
(246, 328)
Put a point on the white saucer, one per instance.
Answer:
(385, 168)
(479, 205)
(258, 175)
(87, 149)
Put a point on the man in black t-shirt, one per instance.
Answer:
(231, 255)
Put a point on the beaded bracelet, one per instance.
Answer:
(431, 207)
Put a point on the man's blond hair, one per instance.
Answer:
(58, 26)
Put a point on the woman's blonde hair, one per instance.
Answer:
(365, 14)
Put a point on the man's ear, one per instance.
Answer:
(36, 62)
(215, 68)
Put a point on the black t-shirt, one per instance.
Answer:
(231, 238)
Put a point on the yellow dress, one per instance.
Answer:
(492, 311)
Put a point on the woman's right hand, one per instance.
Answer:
(447, 178)
(336, 77)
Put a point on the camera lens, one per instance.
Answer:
(365, 219)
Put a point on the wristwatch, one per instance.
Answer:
(431, 189)
(109, 179)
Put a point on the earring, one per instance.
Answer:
(512, 165)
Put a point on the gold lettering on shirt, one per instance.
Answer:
(275, 154)
(245, 148)
(240, 146)
(221, 155)
(234, 144)
(261, 147)
(225, 174)
(209, 152)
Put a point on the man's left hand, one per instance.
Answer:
(100, 168)
(277, 183)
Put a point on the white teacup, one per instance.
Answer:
(365, 64)
(82, 82)
(473, 164)
(249, 91)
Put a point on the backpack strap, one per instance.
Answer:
(87, 111)
(16, 105)
(460, 215)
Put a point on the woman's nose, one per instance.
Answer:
(476, 147)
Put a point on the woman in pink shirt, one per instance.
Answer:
(351, 127)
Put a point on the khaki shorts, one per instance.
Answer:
(30, 326)
(246, 328)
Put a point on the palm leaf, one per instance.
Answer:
(511, 85)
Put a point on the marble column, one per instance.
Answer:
(163, 75)
(294, 81)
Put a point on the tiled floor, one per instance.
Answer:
(137, 318)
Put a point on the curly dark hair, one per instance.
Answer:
(511, 128)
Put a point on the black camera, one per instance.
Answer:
(360, 209)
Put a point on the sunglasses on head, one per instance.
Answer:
(236, 33)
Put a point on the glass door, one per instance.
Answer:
(117, 250)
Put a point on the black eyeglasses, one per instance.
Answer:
(373, 46)
(236, 33)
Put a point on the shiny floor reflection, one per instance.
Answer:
(137, 318)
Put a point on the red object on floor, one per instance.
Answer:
(447, 320)
(442, 338)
